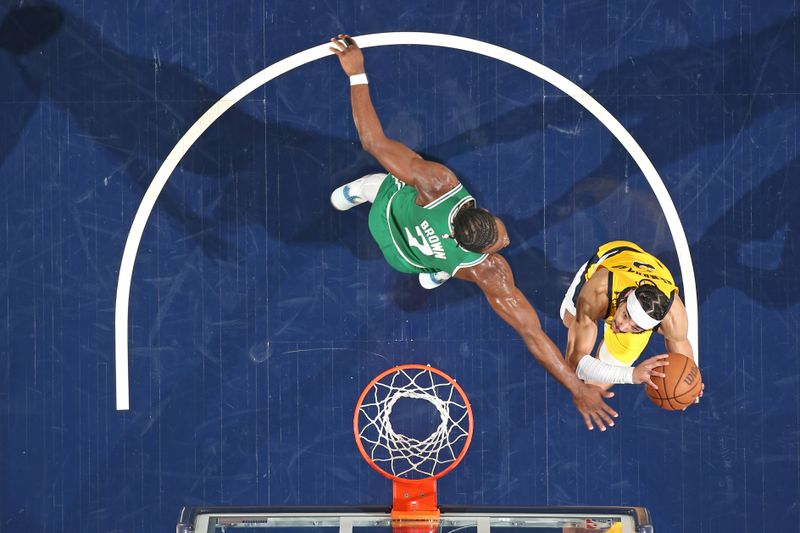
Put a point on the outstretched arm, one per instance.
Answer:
(495, 278)
(428, 177)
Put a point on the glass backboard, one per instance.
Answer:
(378, 520)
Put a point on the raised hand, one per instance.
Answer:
(349, 54)
(589, 400)
(648, 368)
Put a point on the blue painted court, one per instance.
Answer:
(258, 313)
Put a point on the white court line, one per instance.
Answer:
(367, 41)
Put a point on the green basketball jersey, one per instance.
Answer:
(415, 238)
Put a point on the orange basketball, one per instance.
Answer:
(681, 386)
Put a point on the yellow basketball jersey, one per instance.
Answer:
(628, 266)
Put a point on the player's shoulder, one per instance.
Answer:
(597, 284)
(432, 179)
(594, 295)
(494, 269)
(676, 317)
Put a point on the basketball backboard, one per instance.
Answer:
(376, 519)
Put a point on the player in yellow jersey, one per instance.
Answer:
(634, 294)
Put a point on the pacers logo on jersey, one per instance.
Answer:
(428, 243)
(643, 266)
(639, 271)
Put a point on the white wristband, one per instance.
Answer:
(592, 369)
(358, 79)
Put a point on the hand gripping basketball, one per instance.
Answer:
(679, 385)
(649, 368)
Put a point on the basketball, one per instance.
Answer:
(681, 386)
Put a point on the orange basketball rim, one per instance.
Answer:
(413, 464)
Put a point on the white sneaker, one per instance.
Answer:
(344, 198)
(431, 280)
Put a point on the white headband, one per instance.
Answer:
(638, 314)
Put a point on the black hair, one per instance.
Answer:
(474, 229)
(654, 302)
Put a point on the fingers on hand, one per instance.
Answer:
(603, 420)
(601, 416)
(340, 43)
(337, 47)
(702, 390)
(598, 421)
(604, 417)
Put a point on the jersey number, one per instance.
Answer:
(421, 244)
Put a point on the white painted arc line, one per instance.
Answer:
(154, 190)
(366, 41)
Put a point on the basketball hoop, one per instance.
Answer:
(413, 464)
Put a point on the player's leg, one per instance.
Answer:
(357, 192)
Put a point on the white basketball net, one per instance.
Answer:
(404, 456)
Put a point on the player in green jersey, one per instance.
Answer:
(426, 223)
